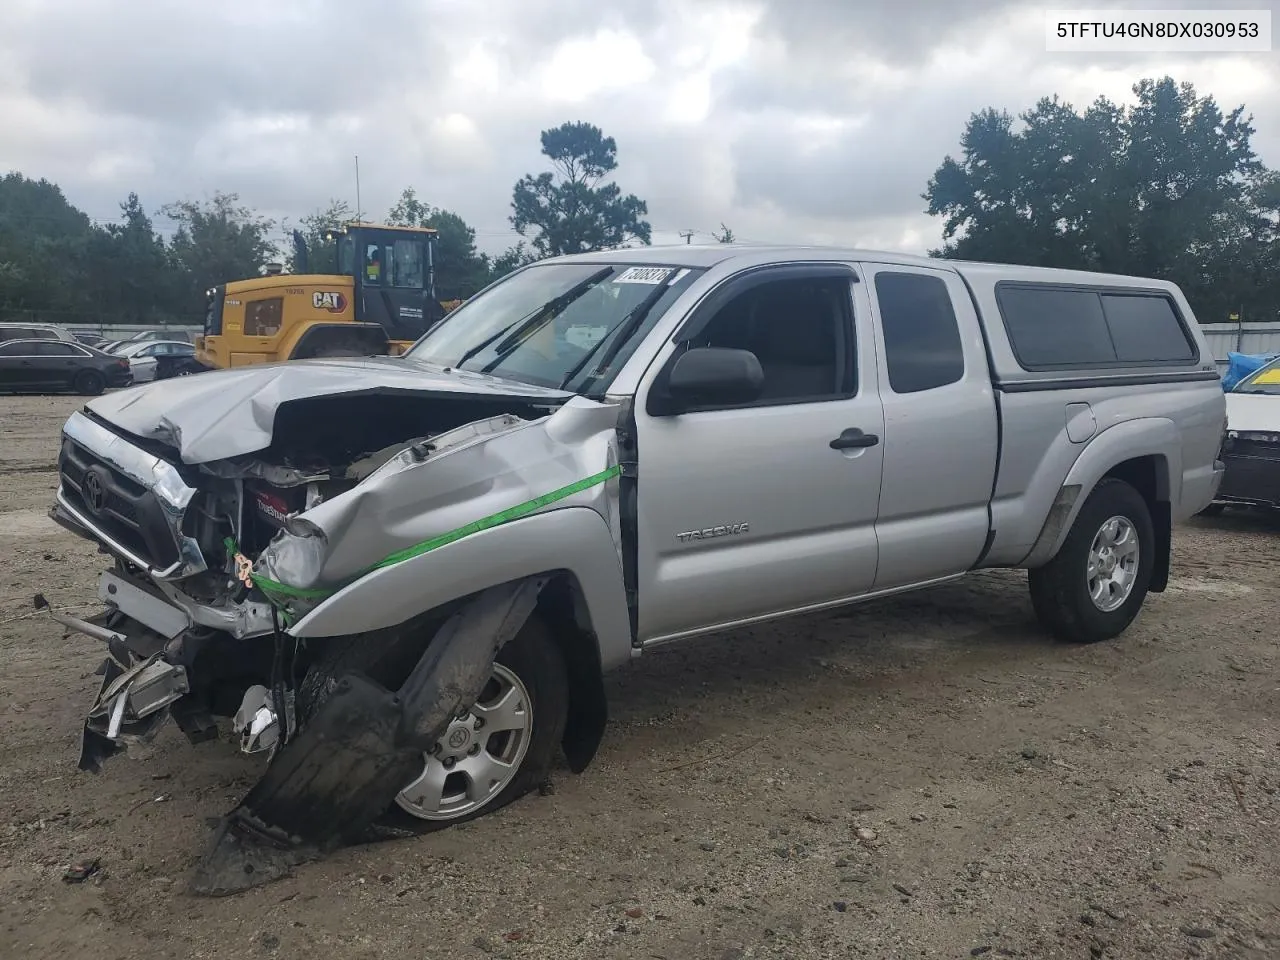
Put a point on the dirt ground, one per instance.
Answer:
(923, 777)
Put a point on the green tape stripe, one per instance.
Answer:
(275, 590)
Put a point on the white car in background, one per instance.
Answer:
(1251, 450)
(157, 359)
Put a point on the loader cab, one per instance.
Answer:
(393, 269)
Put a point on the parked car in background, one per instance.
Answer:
(90, 340)
(43, 366)
(34, 331)
(163, 333)
(158, 360)
(1251, 451)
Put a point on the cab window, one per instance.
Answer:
(347, 256)
(406, 264)
(373, 263)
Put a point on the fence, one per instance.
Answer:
(123, 331)
(1257, 336)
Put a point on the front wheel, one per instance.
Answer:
(495, 752)
(1095, 586)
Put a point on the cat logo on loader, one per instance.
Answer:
(332, 301)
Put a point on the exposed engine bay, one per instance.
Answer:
(326, 447)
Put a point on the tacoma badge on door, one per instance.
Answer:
(724, 530)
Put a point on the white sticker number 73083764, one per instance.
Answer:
(649, 275)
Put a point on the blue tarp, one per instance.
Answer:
(1240, 365)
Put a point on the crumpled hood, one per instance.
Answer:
(1253, 412)
(229, 413)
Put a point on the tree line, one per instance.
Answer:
(1169, 187)
(58, 265)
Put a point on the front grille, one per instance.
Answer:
(121, 507)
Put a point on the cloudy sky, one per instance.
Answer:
(789, 120)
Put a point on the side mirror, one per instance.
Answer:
(713, 375)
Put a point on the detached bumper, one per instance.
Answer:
(1252, 474)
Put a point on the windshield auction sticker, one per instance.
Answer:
(649, 275)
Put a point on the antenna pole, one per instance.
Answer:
(358, 212)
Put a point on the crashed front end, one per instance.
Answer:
(216, 562)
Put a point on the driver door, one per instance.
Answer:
(750, 511)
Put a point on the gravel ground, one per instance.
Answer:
(922, 777)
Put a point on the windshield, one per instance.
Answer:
(1265, 380)
(566, 325)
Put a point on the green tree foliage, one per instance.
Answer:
(572, 208)
(322, 253)
(217, 241)
(131, 274)
(460, 269)
(43, 249)
(510, 259)
(1169, 188)
(725, 235)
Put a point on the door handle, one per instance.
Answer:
(853, 437)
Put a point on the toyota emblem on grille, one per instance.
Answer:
(94, 490)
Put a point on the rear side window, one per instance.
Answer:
(921, 336)
(17, 333)
(1070, 327)
(57, 350)
(1145, 328)
(262, 317)
(1049, 326)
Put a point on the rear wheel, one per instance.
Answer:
(89, 383)
(1093, 589)
(497, 750)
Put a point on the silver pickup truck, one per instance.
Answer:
(403, 577)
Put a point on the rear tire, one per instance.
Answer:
(1094, 588)
(532, 658)
(89, 383)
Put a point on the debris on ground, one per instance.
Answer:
(82, 871)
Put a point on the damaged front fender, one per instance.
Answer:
(328, 784)
(480, 476)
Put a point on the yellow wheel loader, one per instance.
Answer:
(380, 300)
